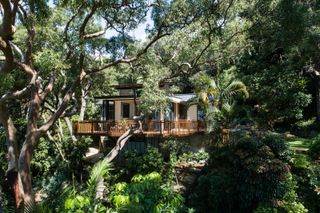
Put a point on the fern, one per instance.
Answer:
(97, 175)
(89, 200)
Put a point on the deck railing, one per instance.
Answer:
(150, 127)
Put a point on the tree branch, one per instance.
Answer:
(129, 60)
(85, 22)
(124, 138)
(15, 95)
(26, 68)
(66, 29)
(8, 54)
(7, 29)
(48, 88)
(95, 35)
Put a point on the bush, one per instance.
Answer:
(314, 150)
(44, 159)
(300, 162)
(278, 146)
(194, 156)
(307, 176)
(146, 193)
(245, 175)
(151, 160)
(74, 153)
(85, 200)
(214, 193)
(177, 147)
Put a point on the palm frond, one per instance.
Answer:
(237, 88)
(234, 89)
(226, 107)
(96, 181)
(31, 207)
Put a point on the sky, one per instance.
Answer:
(139, 33)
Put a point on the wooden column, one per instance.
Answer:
(161, 121)
(176, 109)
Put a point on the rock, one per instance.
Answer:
(93, 155)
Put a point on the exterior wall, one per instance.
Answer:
(192, 113)
(132, 108)
(118, 115)
(117, 110)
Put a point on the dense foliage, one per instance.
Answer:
(252, 64)
(146, 194)
(246, 175)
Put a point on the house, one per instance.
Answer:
(179, 119)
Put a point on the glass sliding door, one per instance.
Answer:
(108, 110)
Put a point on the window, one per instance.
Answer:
(182, 111)
(108, 110)
(111, 110)
(125, 110)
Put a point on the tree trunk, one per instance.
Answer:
(69, 125)
(12, 171)
(122, 140)
(24, 165)
(120, 143)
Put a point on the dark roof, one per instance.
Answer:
(115, 97)
(176, 98)
(139, 86)
(128, 86)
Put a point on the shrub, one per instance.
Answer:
(85, 200)
(194, 156)
(146, 193)
(45, 157)
(307, 178)
(278, 146)
(300, 162)
(314, 150)
(245, 175)
(151, 160)
(214, 193)
(177, 147)
(74, 153)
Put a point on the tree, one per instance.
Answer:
(280, 48)
(248, 174)
(65, 46)
(51, 71)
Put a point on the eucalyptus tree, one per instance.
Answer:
(50, 67)
(210, 44)
(58, 57)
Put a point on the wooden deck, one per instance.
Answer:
(151, 128)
